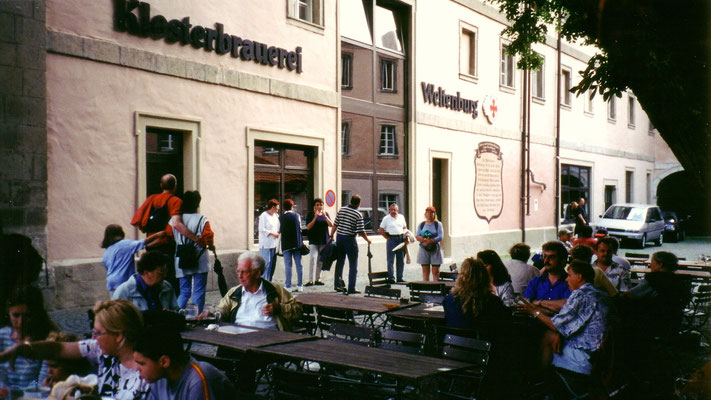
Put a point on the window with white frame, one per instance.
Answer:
(388, 141)
(612, 108)
(566, 84)
(630, 111)
(345, 138)
(651, 128)
(385, 199)
(467, 51)
(537, 81)
(507, 68)
(387, 74)
(346, 71)
(345, 197)
(589, 108)
(306, 10)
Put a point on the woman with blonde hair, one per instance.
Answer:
(471, 300)
(117, 325)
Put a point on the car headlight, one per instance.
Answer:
(671, 221)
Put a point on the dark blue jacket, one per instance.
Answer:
(290, 231)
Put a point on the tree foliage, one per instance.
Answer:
(658, 49)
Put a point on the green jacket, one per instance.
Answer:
(289, 307)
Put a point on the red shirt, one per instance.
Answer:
(140, 218)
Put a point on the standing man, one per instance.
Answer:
(392, 228)
(578, 217)
(156, 213)
(581, 204)
(617, 273)
(348, 224)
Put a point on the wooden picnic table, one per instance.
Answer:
(449, 284)
(386, 362)
(241, 342)
(420, 311)
(372, 305)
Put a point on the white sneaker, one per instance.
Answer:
(300, 289)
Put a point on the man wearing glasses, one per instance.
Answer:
(549, 290)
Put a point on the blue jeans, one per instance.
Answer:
(296, 254)
(196, 284)
(347, 247)
(398, 256)
(269, 256)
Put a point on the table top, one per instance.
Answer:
(681, 263)
(449, 284)
(355, 303)
(419, 311)
(242, 341)
(690, 272)
(392, 363)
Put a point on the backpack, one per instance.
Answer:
(188, 253)
(427, 235)
(158, 218)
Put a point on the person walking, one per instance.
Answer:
(193, 281)
(291, 242)
(348, 224)
(392, 228)
(319, 222)
(269, 237)
(429, 234)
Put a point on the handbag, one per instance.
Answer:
(304, 250)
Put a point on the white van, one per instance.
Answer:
(640, 222)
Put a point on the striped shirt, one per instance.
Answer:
(27, 371)
(349, 221)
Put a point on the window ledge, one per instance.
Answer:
(468, 78)
(589, 114)
(507, 89)
(538, 100)
(391, 156)
(611, 120)
(631, 126)
(387, 90)
(566, 106)
(346, 87)
(309, 26)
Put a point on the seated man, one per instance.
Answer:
(584, 253)
(586, 237)
(618, 274)
(521, 272)
(258, 302)
(549, 290)
(582, 321)
(172, 373)
(564, 237)
(148, 289)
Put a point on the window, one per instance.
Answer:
(651, 128)
(164, 155)
(649, 188)
(354, 22)
(345, 197)
(630, 111)
(345, 138)
(467, 51)
(387, 75)
(611, 109)
(629, 175)
(507, 68)
(306, 10)
(346, 71)
(589, 108)
(388, 142)
(537, 81)
(565, 86)
(388, 34)
(574, 184)
(386, 199)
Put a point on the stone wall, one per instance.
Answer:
(23, 133)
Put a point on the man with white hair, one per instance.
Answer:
(256, 301)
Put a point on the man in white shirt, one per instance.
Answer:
(256, 301)
(521, 272)
(392, 228)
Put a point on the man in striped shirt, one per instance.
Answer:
(348, 224)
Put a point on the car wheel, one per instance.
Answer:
(643, 241)
(660, 241)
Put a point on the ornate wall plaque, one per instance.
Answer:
(488, 181)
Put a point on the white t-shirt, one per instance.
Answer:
(114, 380)
(394, 226)
(250, 313)
(268, 224)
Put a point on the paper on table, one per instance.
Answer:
(435, 308)
(234, 329)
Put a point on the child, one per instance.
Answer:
(118, 257)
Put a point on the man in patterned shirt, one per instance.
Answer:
(348, 224)
(617, 273)
(578, 329)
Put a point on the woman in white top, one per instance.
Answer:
(116, 326)
(269, 237)
(500, 278)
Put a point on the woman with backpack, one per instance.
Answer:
(191, 259)
(429, 234)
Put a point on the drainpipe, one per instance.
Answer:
(557, 140)
(524, 174)
(528, 141)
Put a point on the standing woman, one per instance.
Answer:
(116, 327)
(318, 223)
(501, 284)
(429, 234)
(194, 279)
(28, 321)
(269, 237)
(291, 242)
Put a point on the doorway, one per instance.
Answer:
(440, 199)
(610, 196)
